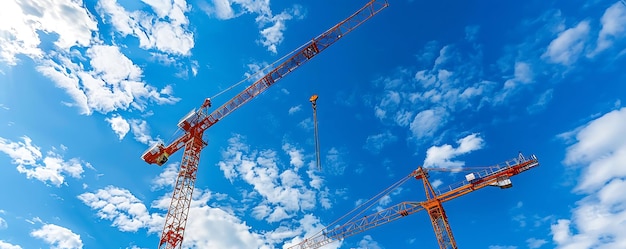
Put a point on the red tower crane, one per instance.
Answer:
(197, 121)
(498, 175)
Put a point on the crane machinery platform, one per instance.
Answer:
(355, 221)
(198, 121)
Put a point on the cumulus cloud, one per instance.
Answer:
(215, 228)
(51, 168)
(22, 21)
(568, 45)
(167, 178)
(441, 156)
(167, 31)
(601, 144)
(3, 224)
(284, 193)
(119, 125)
(113, 83)
(126, 211)
(7, 245)
(21, 152)
(447, 81)
(600, 148)
(58, 237)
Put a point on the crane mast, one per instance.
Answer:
(197, 121)
(498, 175)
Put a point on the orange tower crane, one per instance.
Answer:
(355, 222)
(197, 121)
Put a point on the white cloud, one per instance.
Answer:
(441, 156)
(113, 83)
(215, 228)
(7, 245)
(221, 9)
(375, 143)
(141, 131)
(119, 125)
(534, 243)
(166, 32)
(436, 183)
(283, 192)
(119, 205)
(613, 26)
(296, 158)
(309, 226)
(368, 243)
(167, 178)
(295, 109)
(601, 144)
(334, 161)
(20, 22)
(3, 224)
(502, 247)
(272, 36)
(599, 218)
(271, 26)
(542, 101)
(52, 168)
(567, 47)
(427, 122)
(58, 237)
(21, 152)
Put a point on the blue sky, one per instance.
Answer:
(87, 86)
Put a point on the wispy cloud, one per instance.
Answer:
(271, 27)
(569, 44)
(534, 243)
(502, 247)
(375, 143)
(141, 131)
(295, 109)
(3, 224)
(58, 237)
(613, 27)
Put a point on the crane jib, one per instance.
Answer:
(195, 123)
